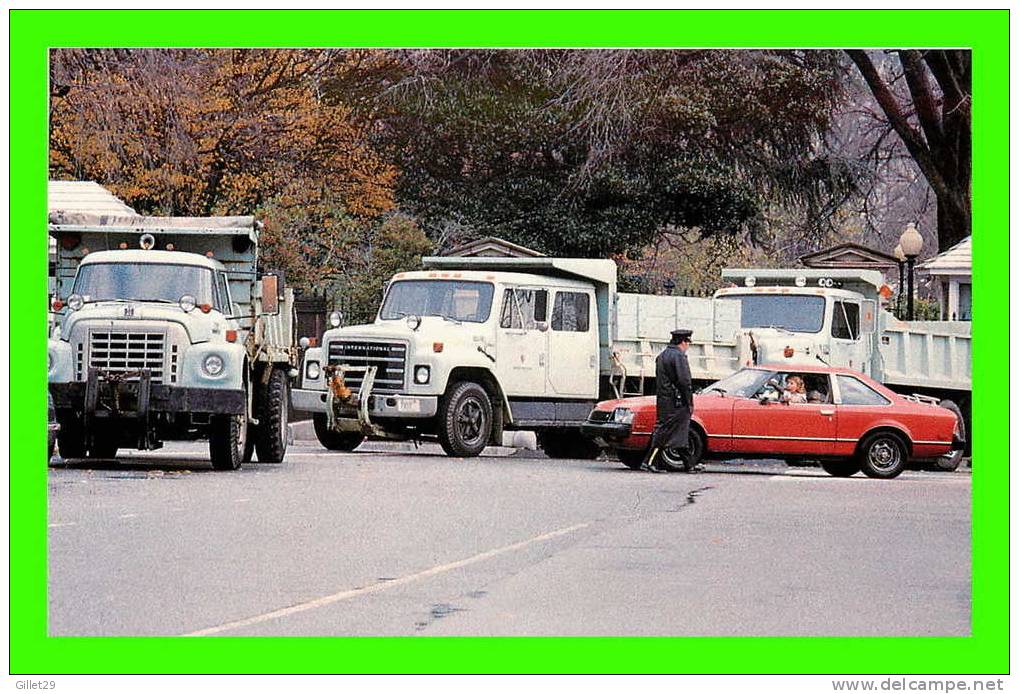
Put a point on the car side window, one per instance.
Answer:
(845, 321)
(571, 312)
(856, 392)
(522, 309)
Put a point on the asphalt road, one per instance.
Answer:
(390, 542)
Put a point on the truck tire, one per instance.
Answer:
(950, 461)
(271, 434)
(335, 440)
(630, 458)
(228, 441)
(71, 437)
(882, 455)
(841, 468)
(103, 447)
(465, 420)
(567, 443)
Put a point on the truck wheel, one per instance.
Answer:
(882, 456)
(104, 448)
(71, 437)
(567, 443)
(841, 468)
(228, 441)
(630, 458)
(271, 435)
(950, 461)
(335, 440)
(465, 420)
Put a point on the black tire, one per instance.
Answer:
(950, 461)
(50, 446)
(630, 458)
(335, 440)
(465, 420)
(271, 434)
(675, 460)
(841, 468)
(103, 446)
(228, 441)
(71, 437)
(882, 455)
(567, 443)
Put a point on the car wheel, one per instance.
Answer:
(882, 456)
(675, 459)
(630, 458)
(335, 440)
(951, 460)
(841, 468)
(465, 420)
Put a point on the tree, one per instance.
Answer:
(596, 152)
(203, 132)
(932, 117)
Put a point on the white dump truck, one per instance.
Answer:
(470, 347)
(165, 330)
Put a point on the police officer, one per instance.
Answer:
(674, 389)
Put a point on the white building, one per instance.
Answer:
(952, 273)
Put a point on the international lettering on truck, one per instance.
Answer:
(166, 330)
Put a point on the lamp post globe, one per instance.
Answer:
(911, 243)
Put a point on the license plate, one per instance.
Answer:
(408, 405)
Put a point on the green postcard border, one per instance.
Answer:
(32, 33)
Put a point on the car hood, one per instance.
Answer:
(701, 403)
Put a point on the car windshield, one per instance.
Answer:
(144, 282)
(799, 314)
(742, 384)
(451, 299)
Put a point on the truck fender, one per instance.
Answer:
(488, 380)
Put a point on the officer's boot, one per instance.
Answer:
(650, 460)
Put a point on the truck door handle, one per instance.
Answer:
(827, 411)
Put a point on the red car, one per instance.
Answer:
(849, 422)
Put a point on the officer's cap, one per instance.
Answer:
(681, 335)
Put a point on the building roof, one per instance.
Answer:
(493, 247)
(85, 196)
(956, 260)
(851, 255)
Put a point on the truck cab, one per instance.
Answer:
(459, 354)
(158, 341)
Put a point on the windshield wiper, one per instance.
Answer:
(723, 391)
(446, 318)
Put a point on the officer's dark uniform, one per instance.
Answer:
(674, 389)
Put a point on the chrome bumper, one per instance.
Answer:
(379, 405)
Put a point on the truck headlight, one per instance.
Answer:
(213, 365)
(422, 374)
(622, 415)
(187, 303)
(335, 319)
(75, 302)
(312, 370)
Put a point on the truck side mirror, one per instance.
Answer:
(270, 294)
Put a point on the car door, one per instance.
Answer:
(573, 345)
(768, 426)
(859, 407)
(522, 341)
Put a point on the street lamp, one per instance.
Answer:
(912, 243)
(900, 258)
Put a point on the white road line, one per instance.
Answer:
(60, 525)
(241, 501)
(129, 515)
(382, 585)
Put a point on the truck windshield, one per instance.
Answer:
(798, 314)
(453, 299)
(742, 384)
(144, 282)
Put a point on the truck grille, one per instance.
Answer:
(126, 351)
(389, 357)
